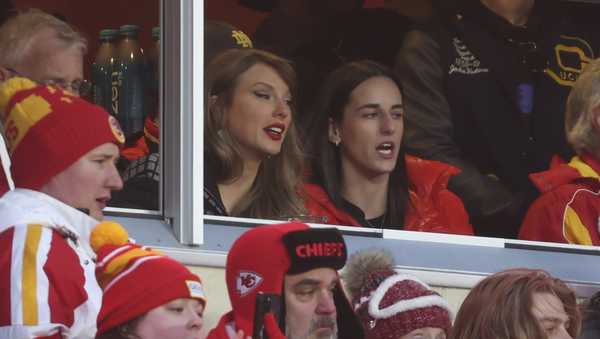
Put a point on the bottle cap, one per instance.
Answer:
(156, 33)
(108, 33)
(129, 30)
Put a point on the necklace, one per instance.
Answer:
(379, 220)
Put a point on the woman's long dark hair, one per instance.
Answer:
(325, 157)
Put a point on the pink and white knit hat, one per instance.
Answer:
(390, 304)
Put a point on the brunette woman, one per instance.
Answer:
(360, 173)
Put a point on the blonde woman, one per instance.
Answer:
(253, 160)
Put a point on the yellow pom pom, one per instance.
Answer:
(108, 233)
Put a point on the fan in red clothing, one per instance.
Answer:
(298, 264)
(146, 294)
(568, 210)
(63, 152)
(361, 174)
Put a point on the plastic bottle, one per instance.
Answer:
(102, 69)
(128, 82)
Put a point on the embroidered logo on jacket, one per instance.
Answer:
(466, 62)
(571, 56)
(246, 282)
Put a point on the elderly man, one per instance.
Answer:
(63, 152)
(38, 46)
(299, 265)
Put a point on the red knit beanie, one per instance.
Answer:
(136, 279)
(48, 129)
(390, 304)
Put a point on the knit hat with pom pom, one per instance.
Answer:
(47, 129)
(136, 279)
(390, 304)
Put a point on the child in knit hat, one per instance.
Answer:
(63, 152)
(393, 305)
(147, 295)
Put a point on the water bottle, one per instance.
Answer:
(102, 69)
(128, 82)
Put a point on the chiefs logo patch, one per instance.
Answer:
(246, 282)
(116, 129)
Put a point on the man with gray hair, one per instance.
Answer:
(569, 209)
(41, 47)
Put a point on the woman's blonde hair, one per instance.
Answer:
(583, 107)
(499, 307)
(275, 191)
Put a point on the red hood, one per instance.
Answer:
(561, 173)
(251, 269)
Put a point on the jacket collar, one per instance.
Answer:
(24, 206)
(580, 167)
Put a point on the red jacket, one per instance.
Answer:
(568, 210)
(432, 208)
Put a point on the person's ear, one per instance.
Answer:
(334, 132)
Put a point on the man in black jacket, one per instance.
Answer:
(485, 86)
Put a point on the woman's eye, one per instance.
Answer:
(176, 309)
(397, 115)
(370, 115)
(262, 95)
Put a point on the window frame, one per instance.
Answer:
(198, 240)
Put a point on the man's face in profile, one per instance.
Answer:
(309, 304)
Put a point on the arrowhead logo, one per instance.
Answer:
(246, 282)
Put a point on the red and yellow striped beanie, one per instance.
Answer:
(136, 279)
(47, 129)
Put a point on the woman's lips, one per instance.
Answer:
(386, 150)
(275, 131)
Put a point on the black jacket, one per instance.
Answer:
(489, 98)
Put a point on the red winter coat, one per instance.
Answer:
(568, 211)
(432, 208)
